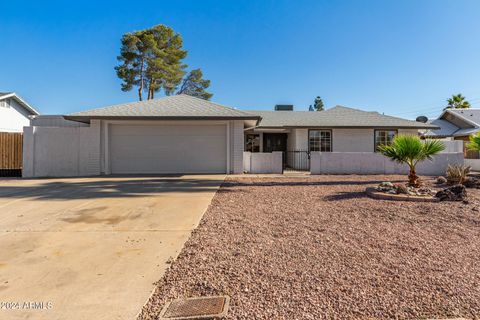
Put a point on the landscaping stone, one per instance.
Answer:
(387, 184)
(400, 188)
(472, 182)
(390, 188)
(373, 193)
(441, 180)
(457, 192)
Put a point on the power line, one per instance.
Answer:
(432, 109)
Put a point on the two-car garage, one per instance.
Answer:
(172, 135)
(174, 148)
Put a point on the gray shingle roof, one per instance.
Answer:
(472, 115)
(187, 107)
(446, 129)
(338, 116)
(178, 106)
(466, 132)
(469, 117)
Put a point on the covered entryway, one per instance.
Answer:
(175, 148)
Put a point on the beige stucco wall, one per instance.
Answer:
(408, 131)
(298, 139)
(61, 151)
(343, 140)
(260, 162)
(236, 146)
(375, 163)
(352, 140)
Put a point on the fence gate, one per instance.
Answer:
(11, 145)
(296, 160)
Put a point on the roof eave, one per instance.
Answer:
(86, 119)
(351, 127)
(22, 102)
(450, 111)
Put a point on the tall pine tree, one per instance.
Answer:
(151, 60)
(194, 85)
(318, 104)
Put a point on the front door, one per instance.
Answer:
(274, 142)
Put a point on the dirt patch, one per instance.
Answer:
(318, 248)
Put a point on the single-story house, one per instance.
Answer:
(14, 112)
(183, 134)
(456, 124)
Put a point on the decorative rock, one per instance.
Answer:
(390, 188)
(472, 182)
(386, 184)
(390, 195)
(453, 193)
(387, 187)
(403, 189)
(441, 180)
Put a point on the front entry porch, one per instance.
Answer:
(284, 141)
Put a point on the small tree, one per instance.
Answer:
(194, 85)
(409, 149)
(474, 143)
(318, 104)
(457, 101)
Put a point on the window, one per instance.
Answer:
(4, 104)
(320, 140)
(252, 143)
(384, 137)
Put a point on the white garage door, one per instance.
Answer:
(168, 149)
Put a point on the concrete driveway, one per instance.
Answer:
(90, 248)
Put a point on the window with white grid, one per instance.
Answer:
(320, 140)
(384, 137)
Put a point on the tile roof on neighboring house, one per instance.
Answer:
(23, 103)
(171, 107)
(338, 116)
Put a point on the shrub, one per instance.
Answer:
(474, 144)
(457, 174)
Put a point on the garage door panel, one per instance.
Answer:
(167, 130)
(168, 149)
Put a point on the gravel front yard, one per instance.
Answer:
(318, 248)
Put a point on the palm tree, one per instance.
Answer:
(409, 149)
(457, 101)
(474, 144)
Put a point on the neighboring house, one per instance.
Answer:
(457, 124)
(183, 134)
(14, 112)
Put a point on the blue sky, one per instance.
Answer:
(398, 57)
